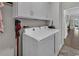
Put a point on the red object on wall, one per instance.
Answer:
(1, 20)
(17, 28)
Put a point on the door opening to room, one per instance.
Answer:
(72, 27)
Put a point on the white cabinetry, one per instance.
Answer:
(38, 10)
(24, 9)
(21, 9)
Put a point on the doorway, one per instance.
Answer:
(72, 28)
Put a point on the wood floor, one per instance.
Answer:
(68, 51)
(72, 39)
(71, 46)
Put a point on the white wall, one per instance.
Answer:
(66, 22)
(56, 16)
(7, 38)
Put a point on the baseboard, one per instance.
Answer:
(60, 49)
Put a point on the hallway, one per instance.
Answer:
(72, 39)
(71, 47)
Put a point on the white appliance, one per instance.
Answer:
(38, 42)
